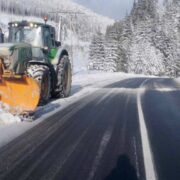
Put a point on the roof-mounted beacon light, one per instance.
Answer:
(45, 19)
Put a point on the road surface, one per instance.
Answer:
(129, 130)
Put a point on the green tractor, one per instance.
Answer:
(33, 49)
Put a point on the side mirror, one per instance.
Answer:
(57, 43)
(45, 50)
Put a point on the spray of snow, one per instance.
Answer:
(6, 117)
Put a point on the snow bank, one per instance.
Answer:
(178, 80)
(7, 118)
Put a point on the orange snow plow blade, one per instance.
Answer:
(20, 94)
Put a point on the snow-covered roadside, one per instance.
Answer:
(7, 118)
(177, 80)
(83, 84)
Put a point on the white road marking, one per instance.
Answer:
(104, 142)
(167, 89)
(136, 157)
(148, 158)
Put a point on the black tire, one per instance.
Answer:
(64, 76)
(41, 74)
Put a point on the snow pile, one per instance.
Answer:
(8, 118)
(177, 80)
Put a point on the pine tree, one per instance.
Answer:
(171, 32)
(97, 52)
(116, 47)
(92, 54)
(112, 55)
(143, 10)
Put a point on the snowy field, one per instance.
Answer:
(84, 83)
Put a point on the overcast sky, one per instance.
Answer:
(115, 9)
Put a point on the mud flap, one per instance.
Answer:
(21, 95)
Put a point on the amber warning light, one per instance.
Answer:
(45, 19)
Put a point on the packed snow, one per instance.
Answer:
(7, 118)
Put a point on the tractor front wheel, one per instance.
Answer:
(41, 74)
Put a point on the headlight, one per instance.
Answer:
(31, 25)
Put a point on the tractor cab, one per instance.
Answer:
(41, 36)
(15, 57)
(36, 34)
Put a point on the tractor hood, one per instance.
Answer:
(12, 46)
(7, 49)
(14, 55)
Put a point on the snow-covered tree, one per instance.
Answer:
(97, 52)
(117, 37)
(112, 56)
(145, 58)
(143, 10)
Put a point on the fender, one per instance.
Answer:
(33, 62)
(60, 53)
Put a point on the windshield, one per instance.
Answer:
(27, 34)
(37, 53)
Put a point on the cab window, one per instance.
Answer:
(47, 37)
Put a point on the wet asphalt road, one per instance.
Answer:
(99, 137)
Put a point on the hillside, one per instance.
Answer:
(84, 24)
(77, 29)
(147, 41)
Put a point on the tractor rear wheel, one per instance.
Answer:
(64, 76)
(41, 74)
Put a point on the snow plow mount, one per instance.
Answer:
(11, 75)
(19, 94)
